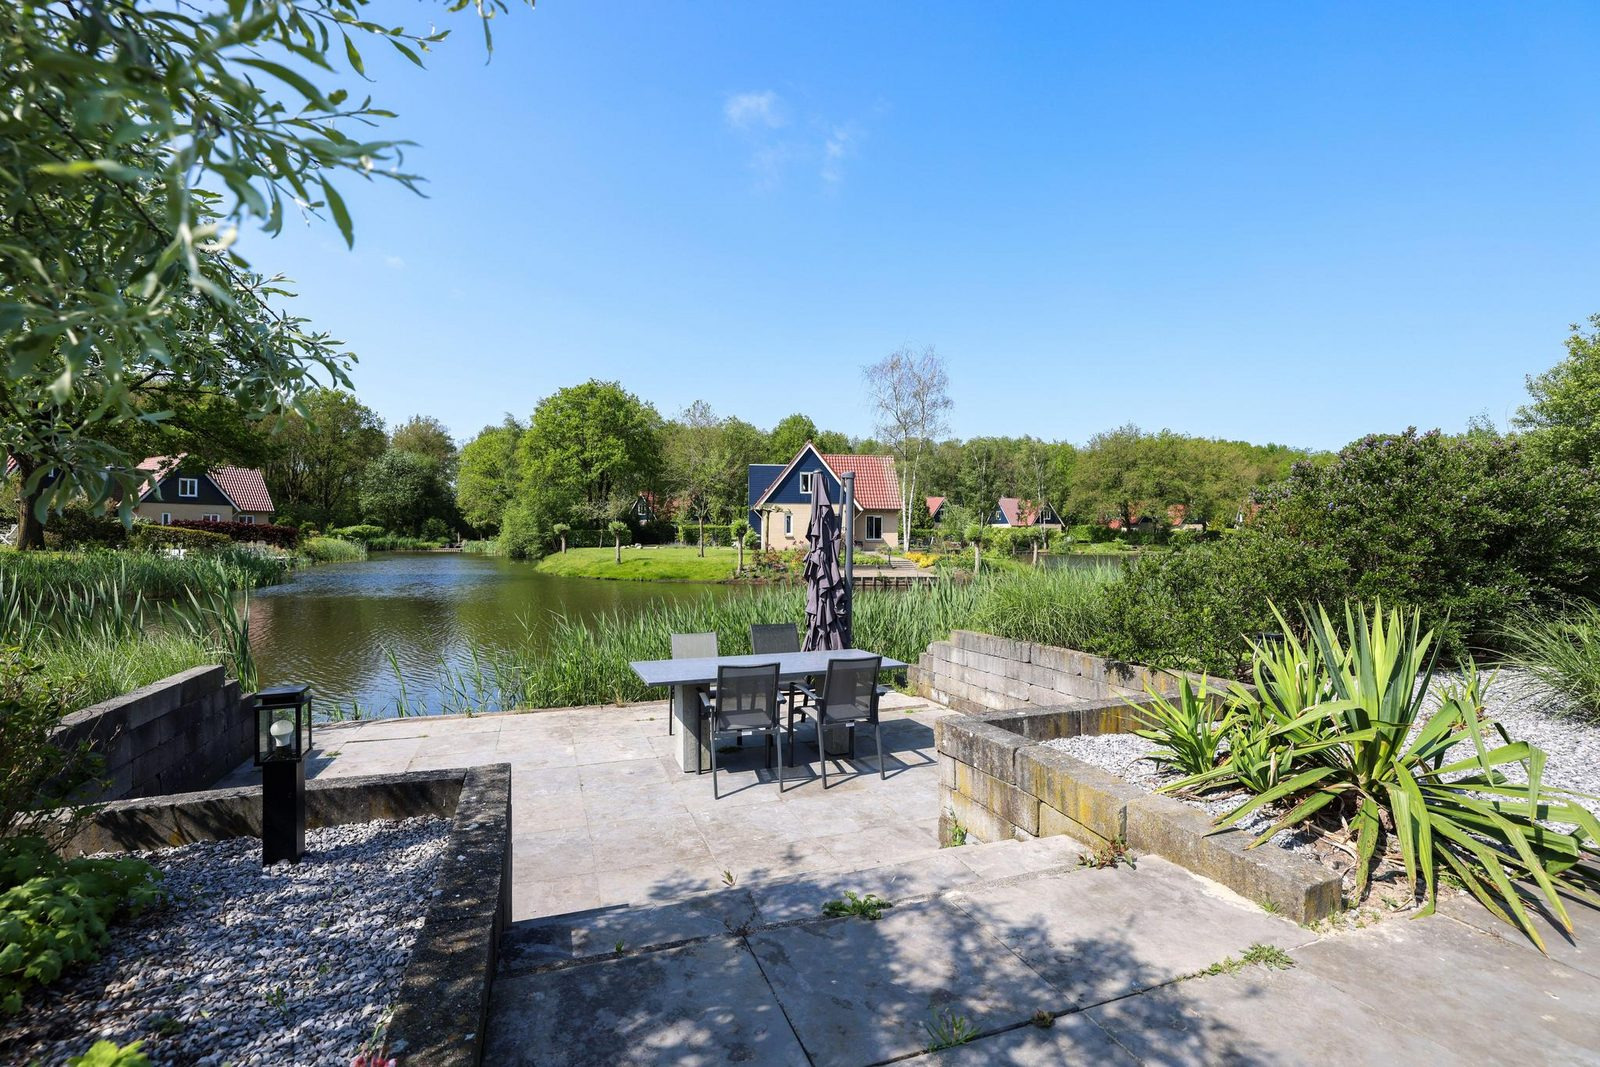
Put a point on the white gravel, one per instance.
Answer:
(282, 965)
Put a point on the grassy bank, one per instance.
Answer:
(663, 563)
(333, 550)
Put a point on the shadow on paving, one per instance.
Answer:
(851, 991)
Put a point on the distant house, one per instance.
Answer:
(1178, 518)
(781, 494)
(1143, 524)
(936, 509)
(221, 494)
(1014, 511)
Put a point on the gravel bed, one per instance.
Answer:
(251, 965)
(1128, 757)
(1531, 711)
(1528, 710)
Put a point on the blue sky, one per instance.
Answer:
(1291, 223)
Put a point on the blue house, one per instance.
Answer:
(781, 494)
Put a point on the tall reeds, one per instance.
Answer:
(101, 624)
(575, 662)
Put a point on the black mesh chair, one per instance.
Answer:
(774, 637)
(746, 702)
(849, 695)
(692, 646)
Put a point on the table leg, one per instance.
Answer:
(686, 710)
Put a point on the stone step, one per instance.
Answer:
(554, 941)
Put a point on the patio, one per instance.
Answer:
(603, 816)
(633, 947)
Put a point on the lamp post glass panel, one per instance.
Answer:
(283, 736)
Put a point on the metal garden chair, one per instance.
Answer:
(849, 695)
(692, 646)
(746, 702)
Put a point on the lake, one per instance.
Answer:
(336, 625)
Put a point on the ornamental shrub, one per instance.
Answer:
(247, 532)
(150, 537)
(363, 532)
(1467, 530)
(76, 526)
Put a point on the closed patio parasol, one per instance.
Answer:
(827, 588)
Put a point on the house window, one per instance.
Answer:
(805, 482)
(166, 518)
(788, 524)
(248, 520)
(874, 527)
(188, 486)
(210, 518)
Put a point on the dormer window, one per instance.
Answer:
(805, 482)
(188, 486)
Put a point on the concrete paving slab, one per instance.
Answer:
(539, 943)
(532, 898)
(802, 897)
(1260, 1017)
(1100, 934)
(1072, 1039)
(1465, 989)
(1579, 950)
(701, 1004)
(862, 992)
(1010, 859)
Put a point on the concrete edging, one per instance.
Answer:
(441, 1012)
(998, 781)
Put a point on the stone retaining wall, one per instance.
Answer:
(442, 1011)
(998, 782)
(976, 672)
(173, 736)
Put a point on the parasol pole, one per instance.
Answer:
(849, 480)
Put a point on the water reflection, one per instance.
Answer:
(338, 625)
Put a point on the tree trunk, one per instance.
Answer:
(30, 531)
(702, 537)
(616, 540)
(977, 559)
(741, 557)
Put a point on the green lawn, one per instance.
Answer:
(653, 564)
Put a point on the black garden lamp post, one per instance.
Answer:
(283, 736)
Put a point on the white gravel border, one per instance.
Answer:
(292, 964)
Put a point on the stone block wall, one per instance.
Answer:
(976, 672)
(998, 782)
(174, 736)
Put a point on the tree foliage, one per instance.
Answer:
(135, 138)
(402, 491)
(318, 456)
(488, 474)
(1563, 416)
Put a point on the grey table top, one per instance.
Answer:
(792, 666)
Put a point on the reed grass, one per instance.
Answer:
(1562, 650)
(100, 624)
(574, 662)
(333, 550)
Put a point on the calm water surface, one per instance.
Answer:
(335, 625)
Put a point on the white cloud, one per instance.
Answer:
(394, 262)
(751, 111)
(835, 148)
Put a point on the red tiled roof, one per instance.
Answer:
(1018, 512)
(934, 504)
(244, 486)
(877, 487)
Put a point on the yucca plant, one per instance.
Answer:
(1438, 796)
(1190, 732)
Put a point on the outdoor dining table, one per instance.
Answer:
(684, 676)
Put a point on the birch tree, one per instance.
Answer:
(910, 394)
